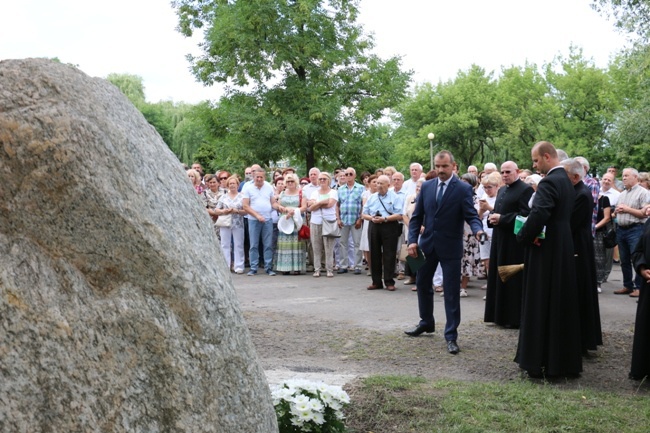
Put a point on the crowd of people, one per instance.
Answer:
(544, 241)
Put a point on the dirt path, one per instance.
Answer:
(333, 329)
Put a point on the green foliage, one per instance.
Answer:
(629, 136)
(462, 113)
(304, 81)
(631, 16)
(478, 118)
(130, 85)
(179, 124)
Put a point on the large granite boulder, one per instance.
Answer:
(117, 311)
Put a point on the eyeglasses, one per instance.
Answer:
(323, 179)
(290, 181)
(303, 183)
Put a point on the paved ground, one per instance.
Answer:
(344, 299)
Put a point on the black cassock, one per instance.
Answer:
(503, 300)
(549, 335)
(641, 348)
(583, 247)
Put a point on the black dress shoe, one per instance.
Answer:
(342, 271)
(452, 347)
(420, 329)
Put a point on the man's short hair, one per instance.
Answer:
(443, 153)
(544, 147)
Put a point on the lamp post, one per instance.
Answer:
(431, 136)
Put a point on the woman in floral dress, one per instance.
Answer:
(471, 263)
(290, 251)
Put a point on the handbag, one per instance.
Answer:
(224, 221)
(304, 232)
(609, 238)
(331, 229)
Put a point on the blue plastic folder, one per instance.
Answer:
(416, 263)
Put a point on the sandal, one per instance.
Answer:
(439, 289)
(316, 274)
(329, 274)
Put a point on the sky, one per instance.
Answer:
(436, 38)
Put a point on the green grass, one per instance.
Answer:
(396, 404)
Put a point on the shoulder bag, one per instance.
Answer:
(609, 238)
(331, 229)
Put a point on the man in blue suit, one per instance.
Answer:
(443, 205)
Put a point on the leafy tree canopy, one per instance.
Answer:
(302, 81)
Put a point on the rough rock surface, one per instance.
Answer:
(117, 311)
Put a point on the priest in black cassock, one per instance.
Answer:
(583, 247)
(641, 347)
(503, 300)
(549, 335)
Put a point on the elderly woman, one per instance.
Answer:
(406, 218)
(278, 187)
(223, 176)
(290, 251)
(211, 196)
(471, 262)
(644, 179)
(322, 205)
(491, 184)
(195, 178)
(231, 204)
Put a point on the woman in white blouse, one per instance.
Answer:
(322, 205)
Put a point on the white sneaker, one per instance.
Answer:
(463, 293)
(484, 297)
(239, 271)
(600, 290)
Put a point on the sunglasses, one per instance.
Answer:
(223, 178)
(349, 174)
(290, 181)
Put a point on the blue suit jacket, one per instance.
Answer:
(443, 225)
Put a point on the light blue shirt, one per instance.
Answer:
(392, 204)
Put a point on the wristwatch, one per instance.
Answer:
(385, 219)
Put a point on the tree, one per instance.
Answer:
(585, 104)
(631, 16)
(525, 98)
(629, 136)
(463, 114)
(301, 78)
(130, 85)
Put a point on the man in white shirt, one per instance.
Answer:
(409, 186)
(259, 203)
(607, 188)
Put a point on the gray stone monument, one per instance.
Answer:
(117, 311)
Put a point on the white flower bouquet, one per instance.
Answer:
(304, 406)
